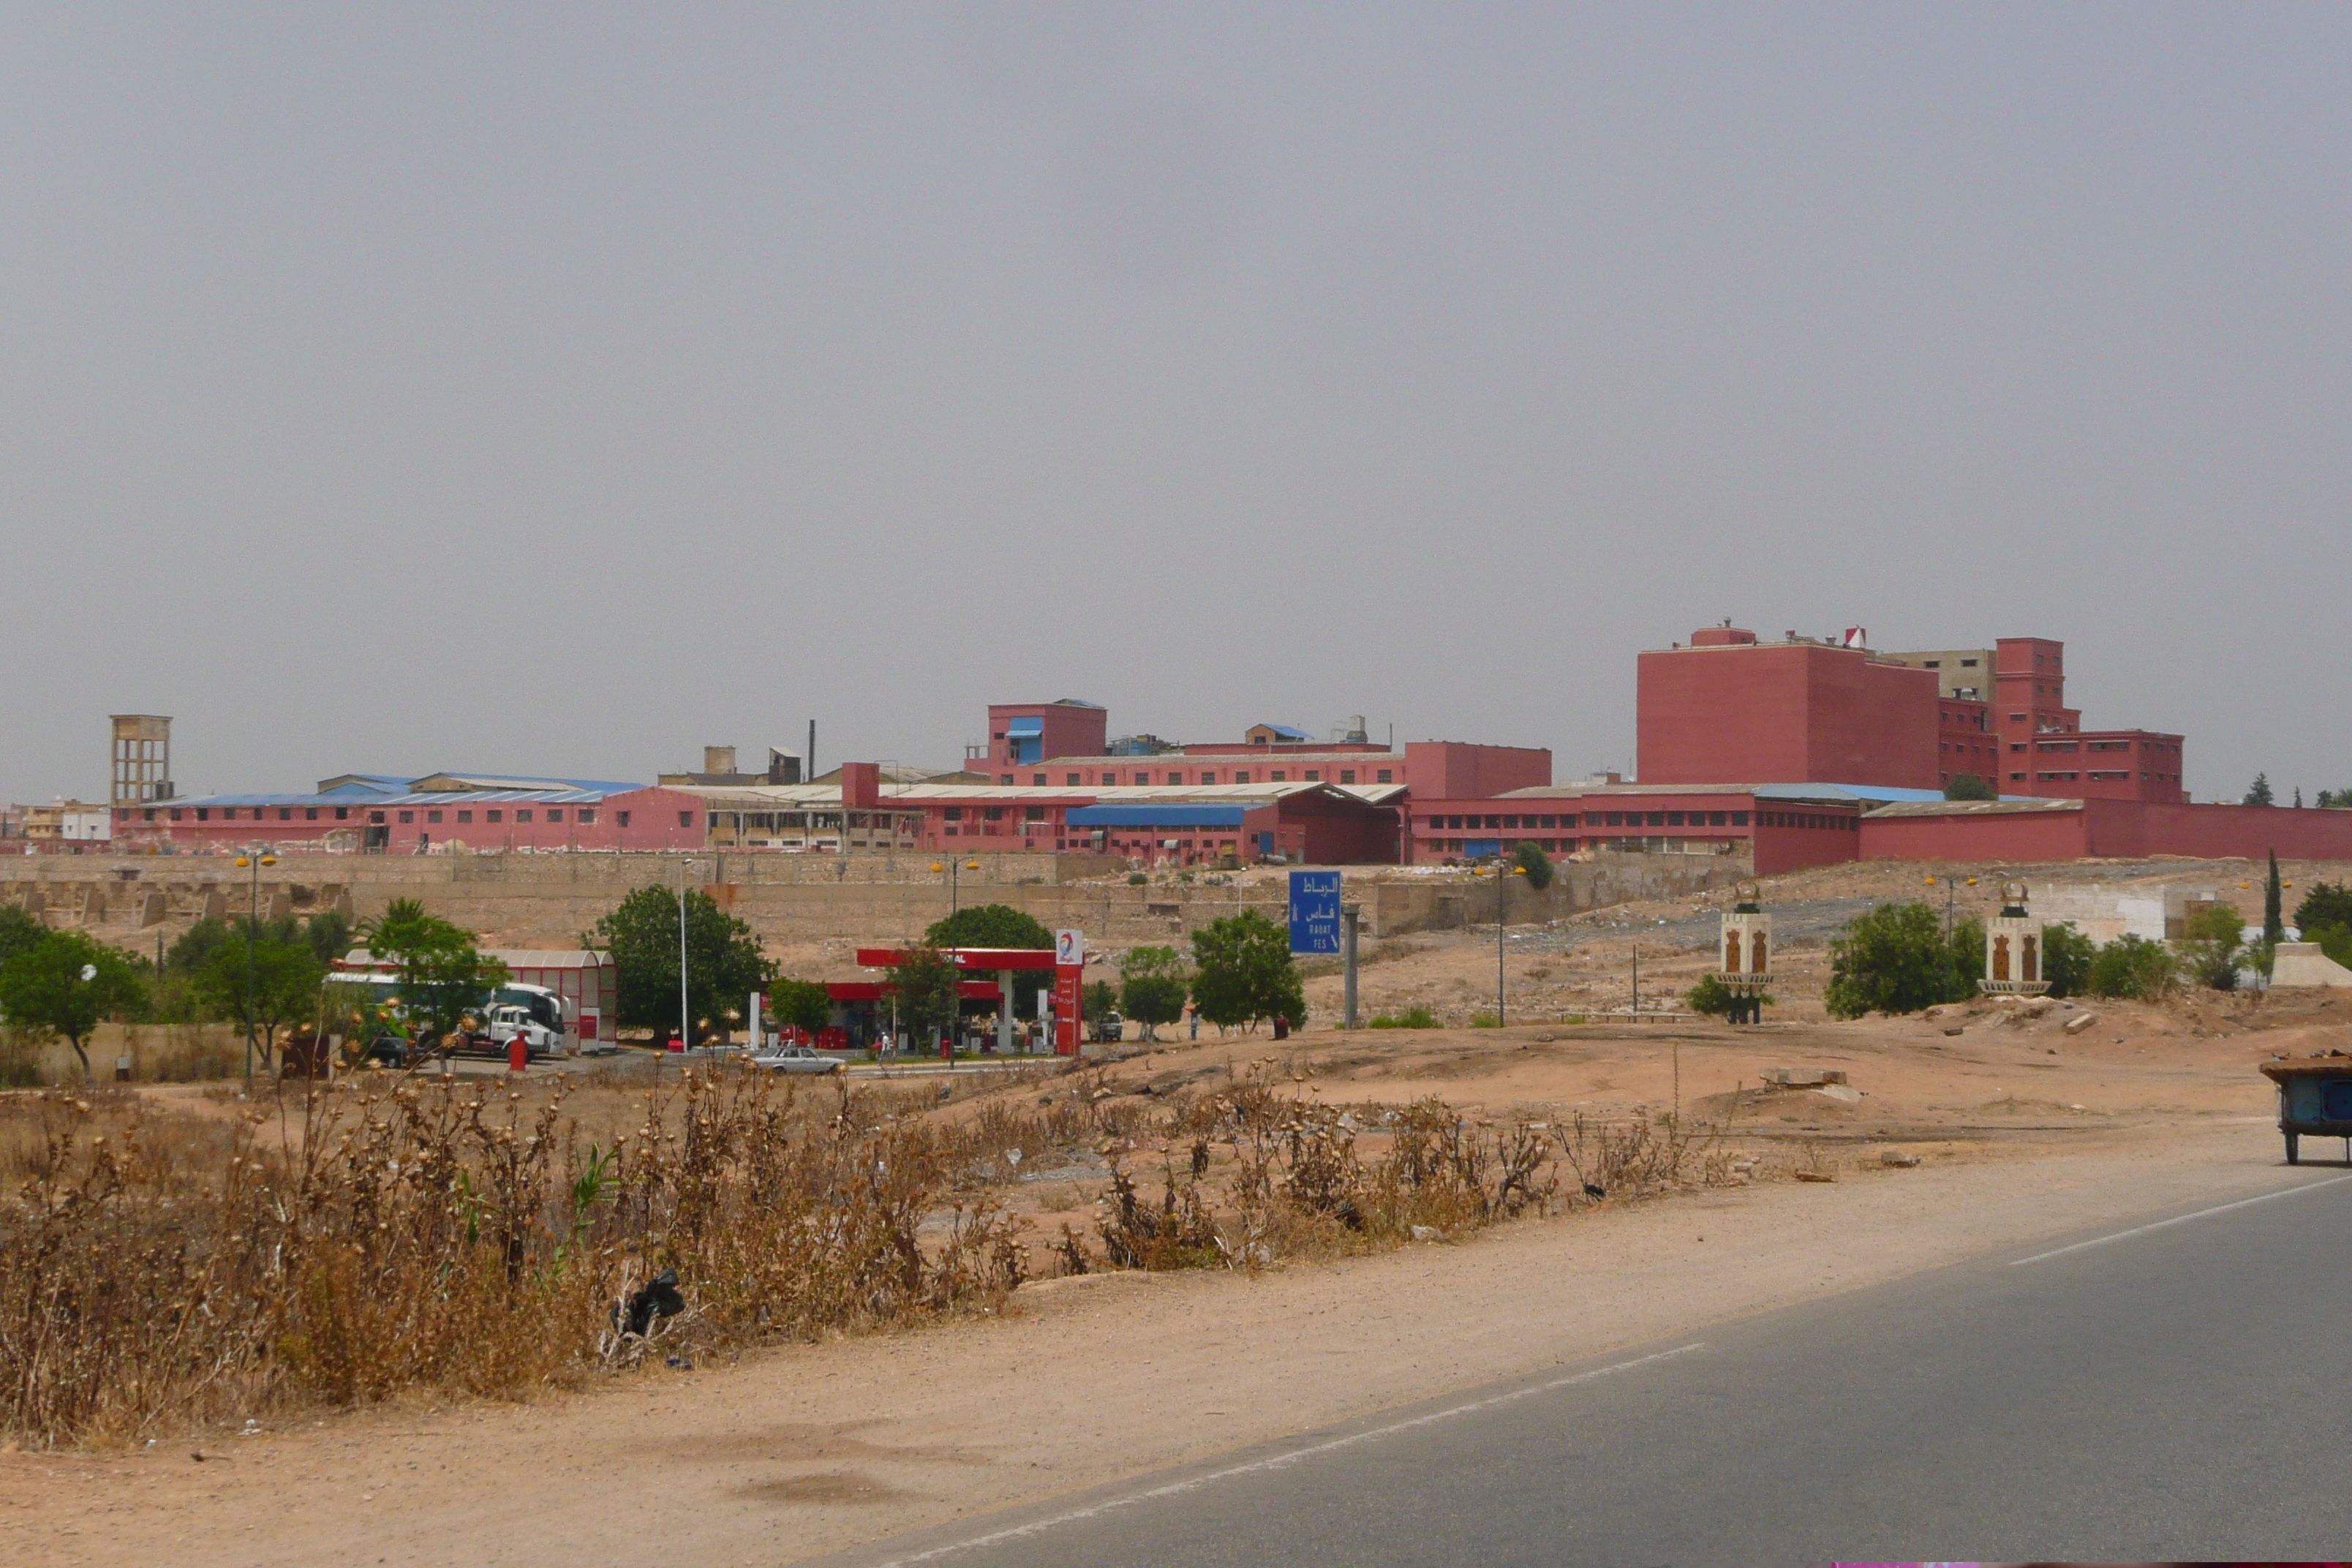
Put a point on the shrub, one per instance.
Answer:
(2066, 955)
(1894, 959)
(1970, 787)
(2326, 905)
(1137, 879)
(1414, 1017)
(2131, 968)
(2208, 946)
(1536, 863)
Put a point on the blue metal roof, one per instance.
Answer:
(1290, 732)
(1156, 817)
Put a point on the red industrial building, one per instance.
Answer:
(1727, 709)
(1785, 827)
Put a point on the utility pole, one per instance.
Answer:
(1501, 880)
(1350, 918)
(1637, 983)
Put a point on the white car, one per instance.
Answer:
(795, 1059)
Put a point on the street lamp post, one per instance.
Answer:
(1501, 880)
(252, 938)
(685, 1017)
(954, 867)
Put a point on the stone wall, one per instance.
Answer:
(547, 900)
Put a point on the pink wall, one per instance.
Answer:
(1784, 713)
(1458, 770)
(2055, 834)
(656, 818)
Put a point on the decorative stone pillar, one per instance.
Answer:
(2013, 948)
(1744, 957)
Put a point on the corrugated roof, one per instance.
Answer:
(1974, 807)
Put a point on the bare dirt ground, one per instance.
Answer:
(2022, 1129)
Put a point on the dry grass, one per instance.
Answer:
(158, 1270)
(169, 1265)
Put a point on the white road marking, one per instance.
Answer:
(1277, 1461)
(2176, 1219)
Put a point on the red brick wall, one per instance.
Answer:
(2018, 836)
(1460, 771)
(1785, 713)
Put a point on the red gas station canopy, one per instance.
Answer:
(982, 957)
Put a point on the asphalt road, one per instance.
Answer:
(2166, 1392)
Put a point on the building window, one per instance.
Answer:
(1242, 775)
(1074, 781)
(494, 816)
(992, 812)
(1315, 775)
(407, 817)
(285, 814)
(624, 819)
(310, 813)
(1033, 814)
(1208, 776)
(554, 814)
(1675, 819)
(586, 815)
(148, 815)
(201, 814)
(684, 819)
(1739, 819)
(342, 812)
(1346, 775)
(1039, 781)
(524, 815)
(1278, 776)
(432, 816)
(465, 816)
(953, 814)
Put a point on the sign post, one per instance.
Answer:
(1315, 912)
(1069, 976)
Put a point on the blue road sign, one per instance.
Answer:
(1315, 912)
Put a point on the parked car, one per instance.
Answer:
(1109, 1029)
(796, 1059)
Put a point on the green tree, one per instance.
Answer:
(440, 976)
(18, 931)
(66, 983)
(328, 935)
(997, 925)
(283, 977)
(1534, 864)
(800, 1004)
(2334, 941)
(1243, 974)
(197, 945)
(2066, 955)
(1709, 998)
(1101, 999)
(2261, 792)
(2208, 946)
(1154, 984)
(724, 964)
(1970, 787)
(1891, 958)
(2132, 968)
(2327, 904)
(2273, 915)
(924, 980)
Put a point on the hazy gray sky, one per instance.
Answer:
(558, 389)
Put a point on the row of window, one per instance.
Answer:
(1205, 776)
(586, 815)
(1592, 819)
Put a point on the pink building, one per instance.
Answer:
(376, 815)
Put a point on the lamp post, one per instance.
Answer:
(954, 867)
(252, 938)
(1501, 880)
(685, 1018)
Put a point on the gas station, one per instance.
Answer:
(1066, 959)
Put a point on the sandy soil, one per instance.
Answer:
(2024, 1130)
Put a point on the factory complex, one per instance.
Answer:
(1787, 754)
